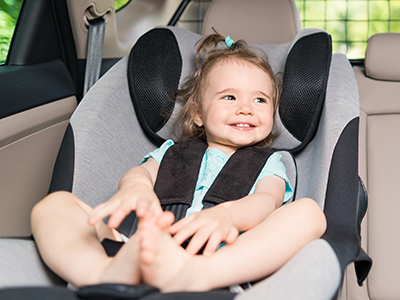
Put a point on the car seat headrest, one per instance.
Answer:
(154, 70)
(255, 21)
(304, 87)
(305, 64)
(382, 59)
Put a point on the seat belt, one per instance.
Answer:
(94, 52)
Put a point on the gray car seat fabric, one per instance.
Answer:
(22, 255)
(105, 139)
(313, 274)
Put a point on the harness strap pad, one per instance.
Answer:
(178, 172)
(238, 175)
(179, 169)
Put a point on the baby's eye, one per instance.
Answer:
(229, 97)
(260, 100)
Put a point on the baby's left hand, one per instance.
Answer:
(211, 226)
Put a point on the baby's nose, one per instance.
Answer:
(245, 108)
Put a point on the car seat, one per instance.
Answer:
(318, 120)
(379, 89)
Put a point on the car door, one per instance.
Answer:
(39, 86)
(42, 82)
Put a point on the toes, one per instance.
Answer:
(147, 257)
(165, 220)
(149, 234)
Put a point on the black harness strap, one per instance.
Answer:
(238, 175)
(179, 170)
(178, 173)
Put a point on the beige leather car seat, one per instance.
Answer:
(255, 21)
(379, 165)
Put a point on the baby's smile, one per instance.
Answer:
(242, 126)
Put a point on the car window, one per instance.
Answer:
(350, 22)
(192, 18)
(118, 4)
(9, 11)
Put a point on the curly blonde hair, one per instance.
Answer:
(208, 56)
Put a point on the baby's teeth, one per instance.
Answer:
(243, 125)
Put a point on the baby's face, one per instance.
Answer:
(237, 106)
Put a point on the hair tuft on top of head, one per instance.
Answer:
(212, 43)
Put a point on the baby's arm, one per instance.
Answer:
(135, 193)
(224, 221)
(253, 209)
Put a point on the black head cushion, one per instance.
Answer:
(154, 71)
(155, 67)
(304, 86)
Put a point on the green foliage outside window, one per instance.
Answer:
(120, 3)
(350, 22)
(9, 11)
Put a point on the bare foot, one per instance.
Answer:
(163, 263)
(124, 266)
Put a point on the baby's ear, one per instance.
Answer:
(197, 118)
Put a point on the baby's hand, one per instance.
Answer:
(211, 226)
(139, 199)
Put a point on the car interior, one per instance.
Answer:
(378, 87)
(345, 135)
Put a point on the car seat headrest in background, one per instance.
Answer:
(382, 59)
(305, 64)
(255, 21)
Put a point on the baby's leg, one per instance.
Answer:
(72, 248)
(255, 254)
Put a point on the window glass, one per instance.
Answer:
(350, 22)
(120, 3)
(192, 18)
(9, 11)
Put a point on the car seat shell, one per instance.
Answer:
(101, 148)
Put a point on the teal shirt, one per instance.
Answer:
(212, 163)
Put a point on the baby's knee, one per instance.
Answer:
(49, 202)
(313, 215)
